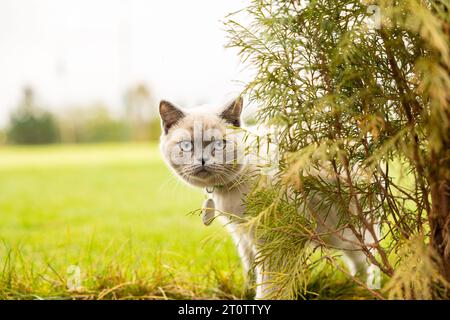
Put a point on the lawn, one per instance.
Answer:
(116, 214)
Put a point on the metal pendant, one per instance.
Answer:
(208, 209)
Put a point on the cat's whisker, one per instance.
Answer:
(230, 176)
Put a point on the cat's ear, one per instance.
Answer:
(232, 112)
(170, 115)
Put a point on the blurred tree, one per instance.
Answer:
(92, 124)
(30, 124)
(101, 127)
(359, 90)
(2, 137)
(141, 113)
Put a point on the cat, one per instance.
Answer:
(203, 146)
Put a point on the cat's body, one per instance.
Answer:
(191, 145)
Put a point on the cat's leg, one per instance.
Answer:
(355, 258)
(359, 266)
(266, 288)
(249, 255)
(359, 263)
(260, 286)
(245, 251)
(243, 243)
(264, 285)
(246, 254)
(356, 262)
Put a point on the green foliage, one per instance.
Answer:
(29, 124)
(95, 124)
(98, 126)
(2, 137)
(351, 101)
(154, 129)
(32, 127)
(282, 229)
(417, 275)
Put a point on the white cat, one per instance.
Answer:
(204, 147)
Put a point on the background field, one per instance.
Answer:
(117, 213)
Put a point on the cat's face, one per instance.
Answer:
(203, 146)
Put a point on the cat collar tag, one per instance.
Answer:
(209, 208)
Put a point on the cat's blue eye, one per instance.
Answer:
(219, 144)
(186, 146)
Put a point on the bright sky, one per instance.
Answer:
(75, 52)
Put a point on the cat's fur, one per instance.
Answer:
(205, 171)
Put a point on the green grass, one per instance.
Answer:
(116, 212)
